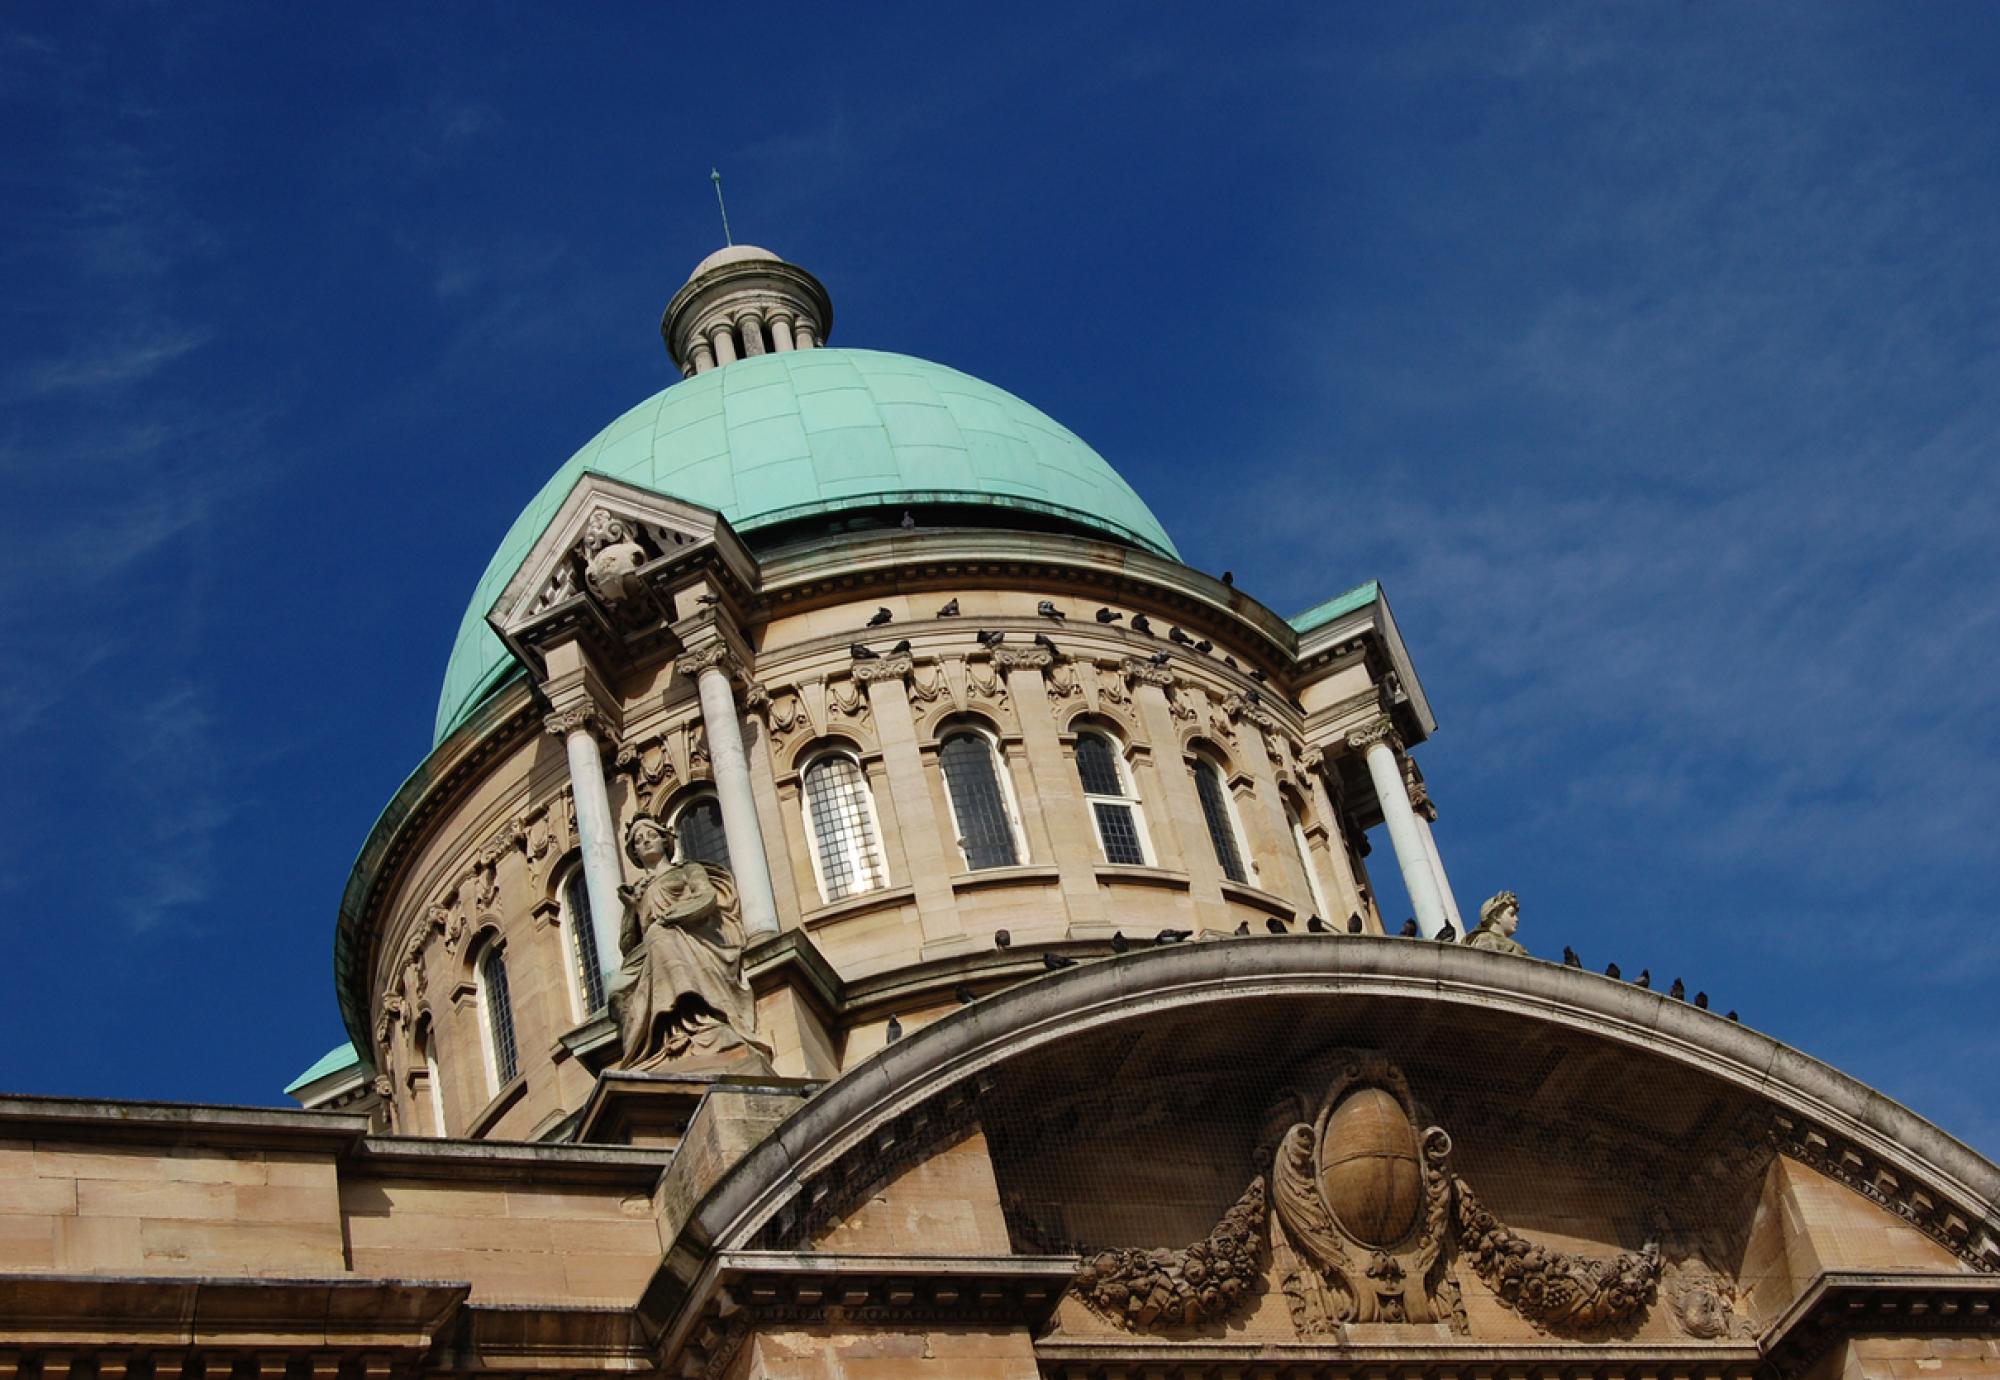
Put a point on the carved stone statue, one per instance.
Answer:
(680, 997)
(1498, 919)
(610, 557)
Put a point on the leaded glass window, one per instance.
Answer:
(841, 817)
(499, 1013)
(1107, 792)
(1208, 784)
(583, 942)
(698, 831)
(978, 804)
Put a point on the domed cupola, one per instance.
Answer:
(743, 301)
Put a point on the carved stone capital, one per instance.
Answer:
(1420, 801)
(1241, 707)
(715, 654)
(584, 715)
(1311, 758)
(895, 667)
(1378, 730)
(1025, 658)
(1146, 673)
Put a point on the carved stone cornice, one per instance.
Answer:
(893, 667)
(1023, 658)
(1378, 730)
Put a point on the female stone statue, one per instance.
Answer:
(1498, 919)
(680, 996)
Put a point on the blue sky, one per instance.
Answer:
(1646, 354)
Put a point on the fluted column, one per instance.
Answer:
(578, 726)
(711, 668)
(1377, 743)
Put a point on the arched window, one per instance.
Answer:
(698, 831)
(433, 1085)
(496, 1014)
(1113, 804)
(585, 962)
(1220, 815)
(988, 833)
(840, 815)
(1304, 846)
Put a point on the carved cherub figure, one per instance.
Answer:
(680, 996)
(1498, 919)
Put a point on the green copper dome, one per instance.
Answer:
(779, 437)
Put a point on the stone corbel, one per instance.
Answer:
(1146, 673)
(1024, 658)
(894, 667)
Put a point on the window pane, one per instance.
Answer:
(1120, 834)
(837, 804)
(1095, 765)
(583, 941)
(699, 828)
(1215, 809)
(500, 1016)
(985, 832)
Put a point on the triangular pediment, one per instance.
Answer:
(667, 533)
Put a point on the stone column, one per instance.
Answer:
(751, 327)
(724, 341)
(781, 330)
(578, 727)
(702, 355)
(1420, 805)
(1377, 742)
(802, 334)
(711, 668)
(1057, 789)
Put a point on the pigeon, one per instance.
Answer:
(881, 616)
(1243, 928)
(861, 653)
(1159, 658)
(1611, 971)
(964, 995)
(1570, 960)
(908, 521)
(1001, 939)
(1354, 922)
(893, 1031)
(1055, 963)
(990, 638)
(1177, 636)
(1447, 935)
(1701, 1001)
(1678, 991)
(1204, 646)
(708, 600)
(1142, 624)
(901, 647)
(1108, 616)
(1047, 609)
(1252, 697)
(1277, 926)
(1229, 577)
(1644, 980)
(1409, 930)
(1230, 662)
(1315, 925)
(1258, 675)
(1119, 943)
(949, 610)
(1172, 936)
(1044, 641)
(1732, 1016)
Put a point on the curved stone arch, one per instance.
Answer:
(885, 1100)
(834, 740)
(932, 727)
(1115, 717)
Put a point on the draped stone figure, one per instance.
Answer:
(680, 997)
(1498, 919)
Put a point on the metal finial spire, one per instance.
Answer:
(716, 178)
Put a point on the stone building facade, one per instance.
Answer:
(871, 910)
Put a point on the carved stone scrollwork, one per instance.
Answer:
(893, 667)
(1201, 1283)
(1380, 730)
(1025, 658)
(716, 654)
(586, 715)
(1145, 673)
(1554, 1290)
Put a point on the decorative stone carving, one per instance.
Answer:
(896, 666)
(585, 715)
(1554, 1290)
(1497, 921)
(611, 558)
(1024, 658)
(680, 997)
(716, 654)
(1362, 1202)
(1202, 1283)
(784, 715)
(984, 685)
(1064, 682)
(1145, 673)
(1380, 730)
(1705, 1304)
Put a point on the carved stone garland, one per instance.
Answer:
(1551, 1289)
(1200, 1283)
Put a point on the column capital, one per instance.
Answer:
(1377, 730)
(584, 714)
(896, 666)
(1146, 673)
(1023, 658)
(717, 655)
